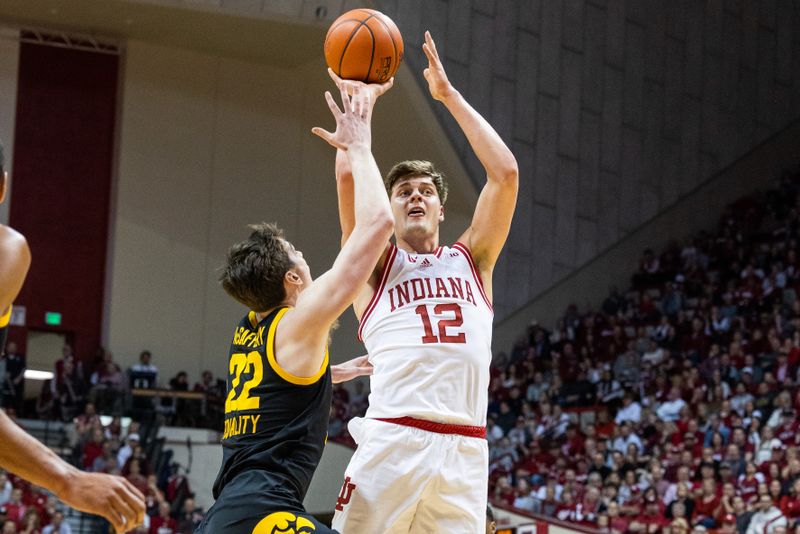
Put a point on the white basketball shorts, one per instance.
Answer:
(403, 479)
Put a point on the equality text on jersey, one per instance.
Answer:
(240, 424)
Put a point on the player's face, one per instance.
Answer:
(416, 207)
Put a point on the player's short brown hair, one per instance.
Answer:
(410, 168)
(255, 268)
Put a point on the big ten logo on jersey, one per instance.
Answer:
(345, 495)
(284, 523)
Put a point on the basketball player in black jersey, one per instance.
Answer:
(279, 384)
(109, 496)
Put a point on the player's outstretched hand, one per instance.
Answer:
(438, 84)
(109, 496)
(351, 369)
(352, 123)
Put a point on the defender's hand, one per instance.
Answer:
(438, 84)
(352, 124)
(351, 369)
(377, 89)
(109, 496)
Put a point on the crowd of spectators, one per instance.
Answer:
(102, 382)
(673, 407)
(99, 448)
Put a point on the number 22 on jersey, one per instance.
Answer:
(242, 363)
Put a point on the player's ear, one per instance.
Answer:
(441, 213)
(3, 182)
(292, 278)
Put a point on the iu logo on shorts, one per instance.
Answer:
(345, 494)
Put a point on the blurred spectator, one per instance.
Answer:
(85, 423)
(126, 451)
(5, 488)
(30, 523)
(93, 449)
(69, 393)
(180, 412)
(163, 523)
(767, 518)
(190, 517)
(14, 381)
(135, 475)
(45, 402)
(67, 357)
(207, 385)
(58, 525)
(631, 411)
(15, 508)
(144, 375)
(108, 385)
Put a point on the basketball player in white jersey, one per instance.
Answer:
(426, 319)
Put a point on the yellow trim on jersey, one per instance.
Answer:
(253, 318)
(283, 373)
(5, 318)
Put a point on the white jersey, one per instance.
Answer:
(428, 332)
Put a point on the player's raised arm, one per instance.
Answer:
(327, 297)
(492, 219)
(344, 194)
(344, 174)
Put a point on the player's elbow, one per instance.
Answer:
(506, 172)
(509, 173)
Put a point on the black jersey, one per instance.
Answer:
(4, 320)
(274, 421)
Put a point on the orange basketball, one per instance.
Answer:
(365, 45)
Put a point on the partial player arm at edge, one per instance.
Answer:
(15, 259)
(111, 497)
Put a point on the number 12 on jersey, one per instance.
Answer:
(445, 320)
